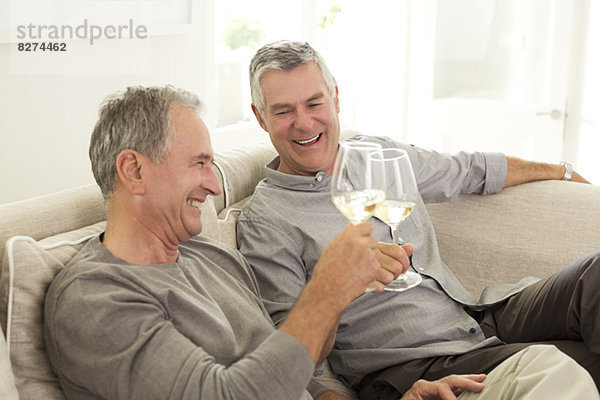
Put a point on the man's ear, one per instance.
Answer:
(336, 100)
(259, 118)
(129, 170)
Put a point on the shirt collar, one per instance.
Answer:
(296, 182)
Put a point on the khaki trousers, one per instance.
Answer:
(538, 372)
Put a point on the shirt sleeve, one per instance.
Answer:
(279, 269)
(442, 177)
(147, 357)
(280, 272)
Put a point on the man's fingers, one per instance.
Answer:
(399, 253)
(446, 393)
(472, 383)
(578, 178)
(394, 258)
(409, 249)
(375, 287)
(385, 276)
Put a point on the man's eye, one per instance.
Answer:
(315, 104)
(281, 112)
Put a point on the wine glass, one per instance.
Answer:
(352, 185)
(393, 172)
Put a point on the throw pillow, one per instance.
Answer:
(8, 390)
(27, 272)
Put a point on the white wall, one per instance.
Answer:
(49, 102)
(46, 120)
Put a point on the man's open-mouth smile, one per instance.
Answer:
(308, 141)
(195, 203)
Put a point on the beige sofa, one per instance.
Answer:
(533, 229)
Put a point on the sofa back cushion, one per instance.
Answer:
(532, 229)
(48, 215)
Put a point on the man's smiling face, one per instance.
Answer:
(301, 117)
(178, 186)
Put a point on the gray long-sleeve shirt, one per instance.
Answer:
(284, 227)
(194, 329)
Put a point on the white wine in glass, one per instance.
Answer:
(352, 189)
(393, 172)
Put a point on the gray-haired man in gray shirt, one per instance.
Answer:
(149, 309)
(385, 342)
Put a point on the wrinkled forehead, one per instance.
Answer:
(297, 84)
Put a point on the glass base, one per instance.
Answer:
(404, 282)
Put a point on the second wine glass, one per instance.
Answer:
(393, 172)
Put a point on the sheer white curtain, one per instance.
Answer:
(366, 51)
(362, 42)
(588, 128)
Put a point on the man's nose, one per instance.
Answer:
(303, 120)
(211, 182)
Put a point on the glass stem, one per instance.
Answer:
(395, 237)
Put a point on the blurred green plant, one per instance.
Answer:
(328, 17)
(242, 32)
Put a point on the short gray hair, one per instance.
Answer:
(284, 56)
(138, 119)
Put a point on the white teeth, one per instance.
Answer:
(312, 140)
(194, 203)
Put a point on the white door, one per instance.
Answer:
(489, 75)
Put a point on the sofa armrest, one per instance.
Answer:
(51, 214)
(239, 170)
(532, 229)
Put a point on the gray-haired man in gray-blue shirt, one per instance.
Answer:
(386, 342)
